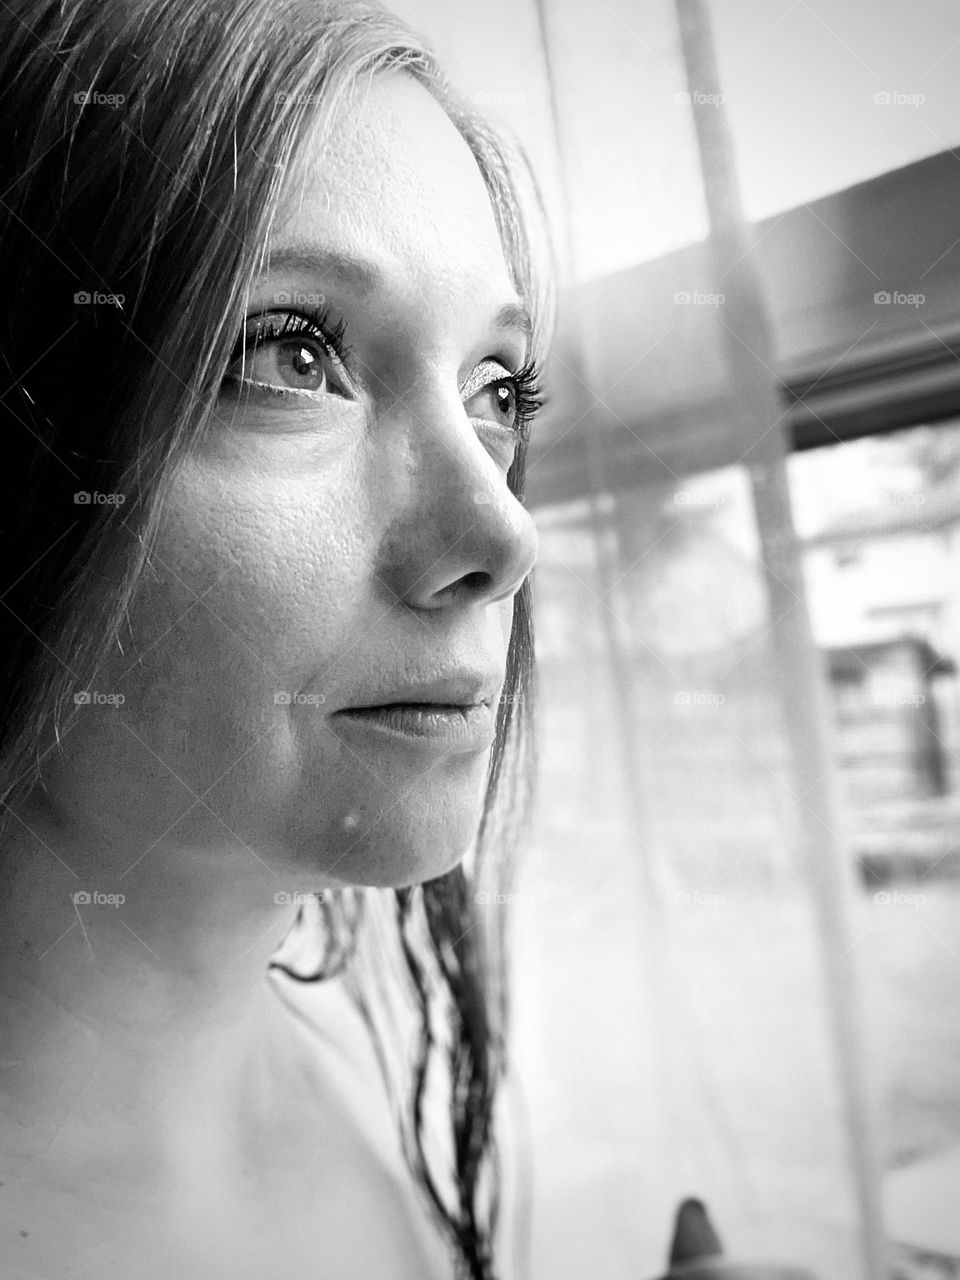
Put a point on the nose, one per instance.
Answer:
(454, 532)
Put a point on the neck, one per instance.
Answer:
(121, 967)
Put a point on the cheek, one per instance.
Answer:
(263, 587)
(256, 586)
(268, 573)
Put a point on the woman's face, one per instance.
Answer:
(349, 542)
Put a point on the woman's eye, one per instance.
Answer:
(295, 362)
(498, 403)
(289, 355)
(496, 399)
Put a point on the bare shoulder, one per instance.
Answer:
(279, 1153)
(51, 1235)
(274, 1176)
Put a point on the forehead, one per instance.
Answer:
(393, 182)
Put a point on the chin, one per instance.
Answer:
(390, 844)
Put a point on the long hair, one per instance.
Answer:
(145, 147)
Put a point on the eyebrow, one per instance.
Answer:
(363, 278)
(360, 277)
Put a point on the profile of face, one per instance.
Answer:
(342, 537)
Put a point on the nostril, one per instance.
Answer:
(467, 588)
(476, 581)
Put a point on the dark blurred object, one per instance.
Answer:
(694, 1239)
(697, 1254)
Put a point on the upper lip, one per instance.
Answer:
(458, 689)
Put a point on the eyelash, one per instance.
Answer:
(316, 323)
(528, 388)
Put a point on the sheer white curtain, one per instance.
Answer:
(670, 1014)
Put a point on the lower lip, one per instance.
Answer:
(454, 728)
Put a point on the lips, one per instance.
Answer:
(424, 725)
(446, 707)
(452, 712)
(459, 690)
